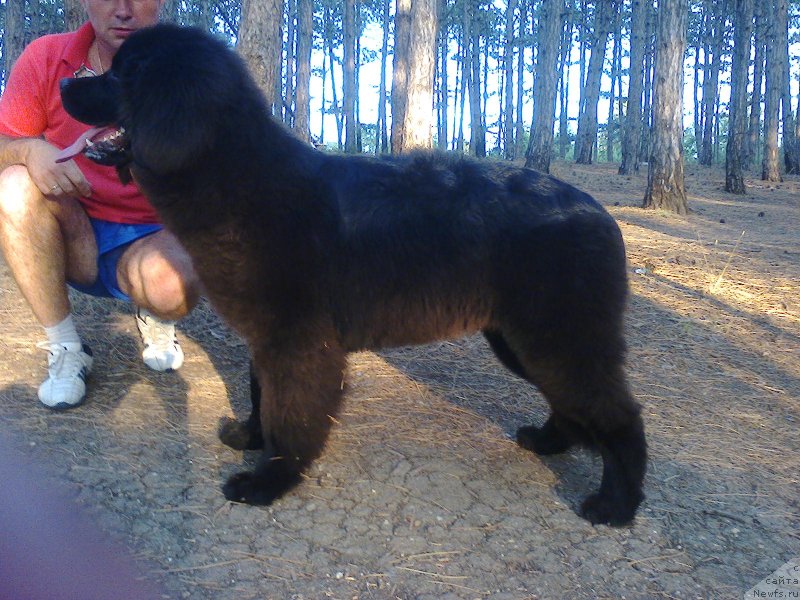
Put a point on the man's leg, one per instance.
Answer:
(157, 274)
(44, 242)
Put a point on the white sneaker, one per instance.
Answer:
(162, 352)
(68, 368)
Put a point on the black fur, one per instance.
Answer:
(312, 255)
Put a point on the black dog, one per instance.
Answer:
(312, 255)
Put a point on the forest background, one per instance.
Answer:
(338, 71)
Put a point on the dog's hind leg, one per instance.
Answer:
(245, 435)
(591, 403)
(300, 395)
(555, 435)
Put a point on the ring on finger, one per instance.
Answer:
(55, 187)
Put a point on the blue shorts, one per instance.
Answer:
(112, 241)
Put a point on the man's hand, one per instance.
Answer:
(55, 180)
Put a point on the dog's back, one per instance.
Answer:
(431, 245)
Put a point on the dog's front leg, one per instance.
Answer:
(245, 435)
(301, 390)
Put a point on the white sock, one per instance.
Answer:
(64, 333)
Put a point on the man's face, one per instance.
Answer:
(115, 20)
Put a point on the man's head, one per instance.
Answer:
(114, 20)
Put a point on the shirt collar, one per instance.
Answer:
(77, 49)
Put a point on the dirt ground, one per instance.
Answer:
(422, 493)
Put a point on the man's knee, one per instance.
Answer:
(17, 192)
(163, 283)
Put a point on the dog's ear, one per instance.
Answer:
(180, 87)
(171, 125)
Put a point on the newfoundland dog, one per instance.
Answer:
(311, 255)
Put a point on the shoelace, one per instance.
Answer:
(157, 333)
(60, 357)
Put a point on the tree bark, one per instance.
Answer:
(754, 123)
(400, 68)
(305, 34)
(508, 67)
(382, 130)
(523, 42)
(461, 81)
(412, 87)
(477, 138)
(770, 169)
(791, 159)
(259, 43)
(349, 93)
(74, 15)
(564, 85)
(170, 11)
(647, 104)
(14, 34)
(540, 147)
(711, 81)
(632, 127)
(665, 176)
(587, 123)
(743, 31)
(442, 90)
(290, 54)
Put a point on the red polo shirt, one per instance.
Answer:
(31, 107)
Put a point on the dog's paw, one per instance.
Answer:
(238, 435)
(599, 509)
(543, 440)
(260, 488)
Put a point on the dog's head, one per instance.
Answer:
(157, 108)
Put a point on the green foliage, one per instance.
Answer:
(690, 145)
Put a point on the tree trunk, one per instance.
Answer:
(305, 34)
(382, 131)
(335, 108)
(323, 82)
(291, 57)
(477, 138)
(647, 104)
(74, 15)
(540, 148)
(359, 28)
(564, 81)
(14, 34)
(442, 89)
(412, 87)
(508, 67)
(754, 124)
(743, 31)
(400, 68)
(523, 42)
(711, 91)
(616, 59)
(632, 127)
(665, 178)
(698, 128)
(259, 43)
(770, 170)
(170, 11)
(587, 123)
(349, 93)
(463, 78)
(791, 159)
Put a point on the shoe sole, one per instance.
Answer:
(62, 406)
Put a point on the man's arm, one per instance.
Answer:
(39, 157)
